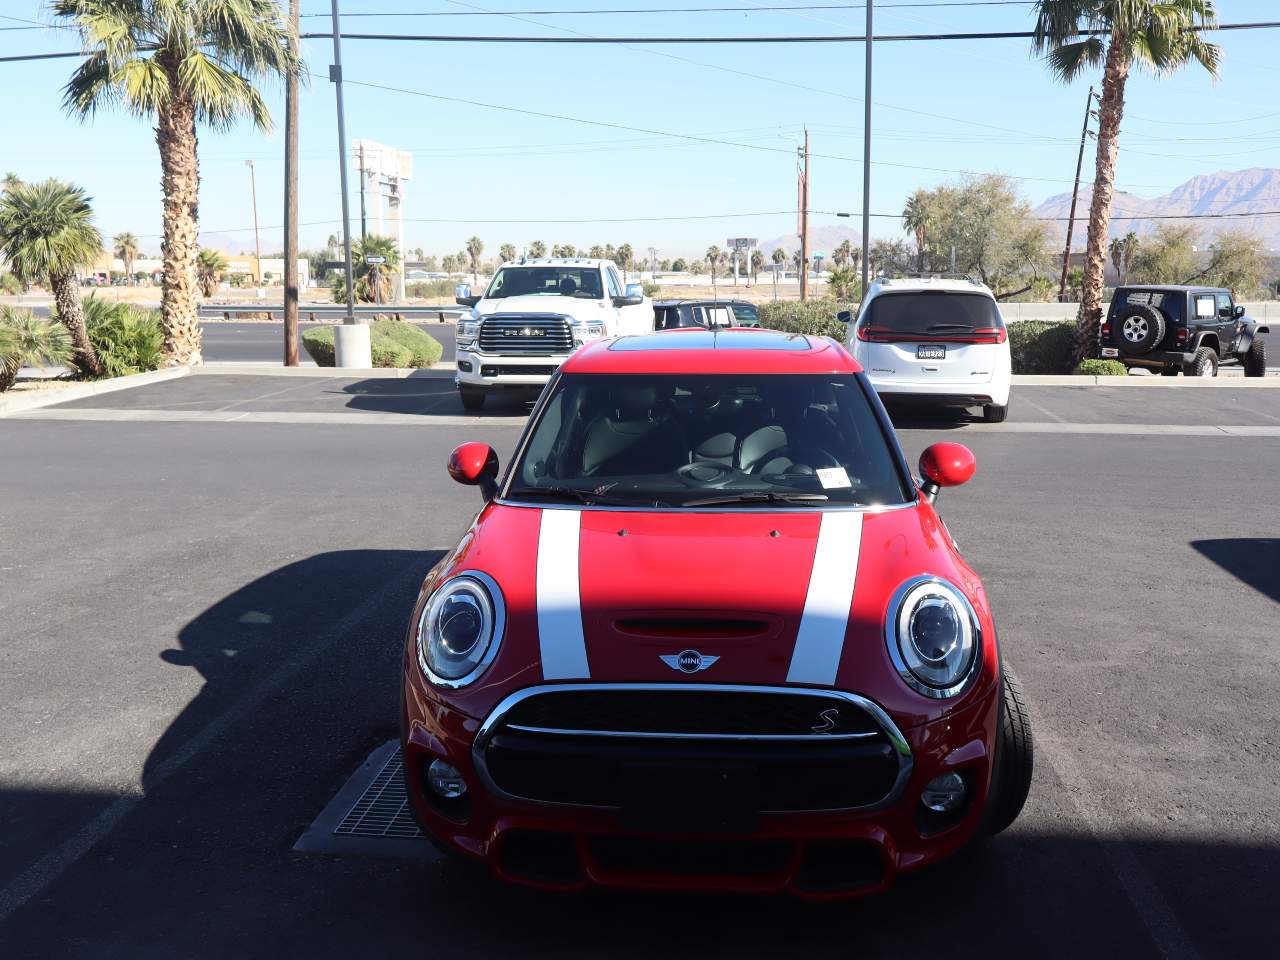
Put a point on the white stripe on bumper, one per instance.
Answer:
(820, 639)
(560, 639)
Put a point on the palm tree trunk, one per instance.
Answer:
(1110, 112)
(66, 295)
(180, 180)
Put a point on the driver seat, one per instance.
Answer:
(633, 438)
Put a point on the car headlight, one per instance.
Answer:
(460, 629)
(468, 330)
(933, 637)
(582, 332)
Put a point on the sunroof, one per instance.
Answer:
(712, 340)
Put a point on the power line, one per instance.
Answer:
(652, 10)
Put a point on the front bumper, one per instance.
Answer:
(494, 372)
(819, 854)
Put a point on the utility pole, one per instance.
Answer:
(804, 224)
(257, 240)
(364, 180)
(1075, 193)
(350, 339)
(291, 199)
(866, 159)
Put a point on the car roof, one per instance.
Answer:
(693, 302)
(699, 350)
(1171, 288)
(884, 285)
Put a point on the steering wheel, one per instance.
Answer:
(816, 457)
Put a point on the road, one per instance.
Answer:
(264, 342)
(204, 595)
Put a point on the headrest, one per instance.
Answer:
(633, 401)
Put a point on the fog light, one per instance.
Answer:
(941, 794)
(445, 780)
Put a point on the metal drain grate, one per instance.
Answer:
(370, 815)
(383, 808)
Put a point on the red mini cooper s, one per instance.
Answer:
(707, 632)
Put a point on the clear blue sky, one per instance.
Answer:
(475, 164)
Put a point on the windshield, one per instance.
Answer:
(702, 439)
(581, 282)
(928, 313)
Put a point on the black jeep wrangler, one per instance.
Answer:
(1172, 328)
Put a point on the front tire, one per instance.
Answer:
(472, 399)
(1205, 364)
(1015, 758)
(994, 413)
(1255, 361)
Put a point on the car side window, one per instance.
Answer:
(1224, 306)
(615, 288)
(1205, 307)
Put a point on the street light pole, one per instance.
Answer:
(257, 240)
(866, 157)
(351, 340)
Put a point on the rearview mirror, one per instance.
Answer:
(475, 464)
(945, 465)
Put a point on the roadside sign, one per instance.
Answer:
(370, 260)
(741, 243)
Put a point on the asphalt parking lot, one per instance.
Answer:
(204, 592)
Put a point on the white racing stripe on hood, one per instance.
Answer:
(560, 639)
(820, 638)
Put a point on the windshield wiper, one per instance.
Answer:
(758, 496)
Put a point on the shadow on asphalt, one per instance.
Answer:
(431, 396)
(915, 416)
(1253, 560)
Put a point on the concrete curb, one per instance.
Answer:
(1075, 380)
(46, 398)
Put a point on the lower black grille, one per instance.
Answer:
(693, 759)
(690, 857)
(527, 370)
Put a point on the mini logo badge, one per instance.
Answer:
(688, 661)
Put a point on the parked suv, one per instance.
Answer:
(673, 314)
(1176, 328)
(535, 313)
(935, 339)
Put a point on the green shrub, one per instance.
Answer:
(393, 343)
(651, 289)
(426, 290)
(817, 317)
(1042, 346)
(128, 339)
(9, 284)
(27, 341)
(1101, 368)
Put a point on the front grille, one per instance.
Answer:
(693, 757)
(525, 336)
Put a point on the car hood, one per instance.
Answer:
(575, 307)
(757, 597)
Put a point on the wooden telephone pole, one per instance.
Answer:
(291, 201)
(804, 222)
(1075, 193)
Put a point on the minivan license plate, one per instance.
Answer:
(931, 351)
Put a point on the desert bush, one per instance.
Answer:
(1041, 346)
(27, 341)
(817, 317)
(426, 348)
(128, 339)
(652, 289)
(1101, 368)
(427, 290)
(393, 343)
(10, 285)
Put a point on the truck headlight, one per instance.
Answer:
(583, 332)
(933, 637)
(468, 330)
(460, 629)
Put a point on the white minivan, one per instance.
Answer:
(939, 340)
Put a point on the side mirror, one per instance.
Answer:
(634, 290)
(463, 297)
(1238, 312)
(945, 465)
(844, 316)
(475, 464)
(628, 301)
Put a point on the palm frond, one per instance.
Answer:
(1068, 60)
(46, 230)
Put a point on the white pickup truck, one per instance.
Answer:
(533, 315)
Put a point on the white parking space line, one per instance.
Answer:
(1144, 893)
(48, 868)
(233, 416)
(1048, 413)
(263, 396)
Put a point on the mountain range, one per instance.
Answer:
(1244, 195)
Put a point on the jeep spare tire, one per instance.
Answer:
(1138, 329)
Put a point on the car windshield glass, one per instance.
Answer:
(931, 312)
(755, 441)
(546, 281)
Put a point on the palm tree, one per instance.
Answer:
(209, 267)
(26, 341)
(47, 235)
(842, 255)
(507, 252)
(597, 252)
(757, 261)
(373, 280)
(10, 181)
(181, 62)
(475, 247)
(125, 246)
(1158, 34)
(915, 219)
(714, 257)
(626, 257)
(537, 249)
(779, 255)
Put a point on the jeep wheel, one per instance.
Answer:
(1255, 361)
(472, 399)
(1015, 755)
(1139, 329)
(994, 413)
(1204, 365)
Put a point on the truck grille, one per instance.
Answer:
(736, 751)
(525, 336)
